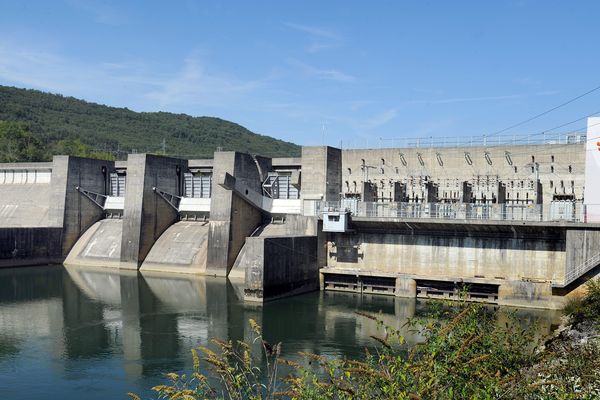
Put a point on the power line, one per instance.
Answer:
(545, 112)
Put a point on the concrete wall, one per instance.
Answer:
(581, 246)
(493, 252)
(280, 266)
(561, 169)
(30, 246)
(526, 262)
(321, 173)
(24, 205)
(25, 194)
(147, 215)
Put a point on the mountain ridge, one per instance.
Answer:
(55, 119)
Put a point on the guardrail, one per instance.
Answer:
(462, 141)
(576, 272)
(559, 211)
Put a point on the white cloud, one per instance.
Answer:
(34, 67)
(320, 38)
(100, 11)
(123, 83)
(381, 118)
(194, 85)
(322, 73)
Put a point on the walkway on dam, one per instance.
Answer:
(559, 211)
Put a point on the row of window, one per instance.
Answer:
(519, 184)
(439, 159)
(200, 185)
(382, 170)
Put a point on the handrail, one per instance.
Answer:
(554, 212)
(574, 273)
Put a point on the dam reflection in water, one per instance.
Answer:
(68, 332)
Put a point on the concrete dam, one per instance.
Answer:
(506, 223)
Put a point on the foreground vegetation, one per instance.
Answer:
(63, 125)
(466, 354)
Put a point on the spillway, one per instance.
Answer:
(181, 248)
(99, 246)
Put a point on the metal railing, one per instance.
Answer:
(574, 273)
(466, 141)
(554, 212)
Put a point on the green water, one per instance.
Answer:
(98, 334)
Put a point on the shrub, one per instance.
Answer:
(586, 307)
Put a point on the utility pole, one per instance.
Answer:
(164, 147)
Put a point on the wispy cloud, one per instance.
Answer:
(195, 85)
(380, 119)
(321, 73)
(102, 12)
(319, 38)
(125, 83)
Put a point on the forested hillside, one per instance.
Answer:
(35, 125)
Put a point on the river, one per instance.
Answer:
(73, 333)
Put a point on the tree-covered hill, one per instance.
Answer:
(67, 125)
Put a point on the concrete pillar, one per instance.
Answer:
(528, 294)
(147, 215)
(69, 209)
(406, 287)
(232, 219)
(321, 173)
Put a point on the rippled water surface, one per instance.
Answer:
(72, 333)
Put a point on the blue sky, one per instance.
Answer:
(357, 71)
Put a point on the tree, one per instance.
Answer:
(18, 145)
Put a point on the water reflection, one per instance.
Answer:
(108, 332)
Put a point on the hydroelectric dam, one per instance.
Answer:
(506, 222)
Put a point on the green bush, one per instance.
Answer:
(586, 307)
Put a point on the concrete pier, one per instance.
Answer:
(232, 218)
(147, 215)
(277, 267)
